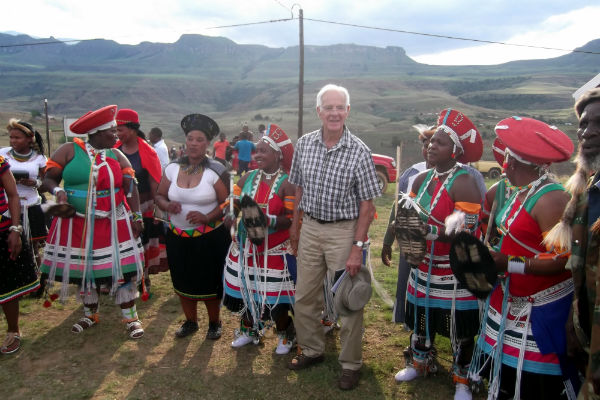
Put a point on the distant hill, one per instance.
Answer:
(254, 83)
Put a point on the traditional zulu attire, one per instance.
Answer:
(522, 341)
(196, 253)
(146, 164)
(96, 245)
(263, 288)
(17, 277)
(436, 302)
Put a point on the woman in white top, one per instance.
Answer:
(191, 190)
(27, 163)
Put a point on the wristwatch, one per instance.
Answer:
(358, 243)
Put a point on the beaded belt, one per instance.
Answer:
(195, 232)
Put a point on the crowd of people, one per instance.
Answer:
(268, 246)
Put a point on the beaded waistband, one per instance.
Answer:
(195, 232)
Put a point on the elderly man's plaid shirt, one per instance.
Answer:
(334, 181)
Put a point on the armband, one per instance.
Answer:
(516, 265)
(288, 202)
(128, 172)
(53, 164)
(136, 216)
(471, 211)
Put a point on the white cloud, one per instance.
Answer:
(539, 22)
(564, 31)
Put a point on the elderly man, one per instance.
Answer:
(579, 230)
(337, 183)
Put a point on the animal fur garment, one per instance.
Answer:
(254, 220)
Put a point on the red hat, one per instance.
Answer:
(275, 136)
(126, 116)
(94, 121)
(463, 133)
(534, 141)
(498, 148)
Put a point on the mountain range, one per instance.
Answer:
(254, 83)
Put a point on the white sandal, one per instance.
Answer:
(135, 330)
(9, 341)
(84, 323)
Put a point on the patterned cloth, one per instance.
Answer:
(334, 181)
(433, 291)
(97, 244)
(257, 289)
(17, 277)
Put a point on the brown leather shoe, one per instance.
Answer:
(349, 379)
(301, 361)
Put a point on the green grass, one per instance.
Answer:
(103, 364)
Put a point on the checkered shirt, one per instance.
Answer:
(334, 181)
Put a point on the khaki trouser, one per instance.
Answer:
(324, 247)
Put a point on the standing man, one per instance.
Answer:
(220, 149)
(159, 145)
(579, 231)
(245, 148)
(336, 181)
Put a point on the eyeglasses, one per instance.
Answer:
(330, 109)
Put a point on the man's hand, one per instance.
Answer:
(354, 260)
(386, 255)
(61, 197)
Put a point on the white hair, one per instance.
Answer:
(332, 87)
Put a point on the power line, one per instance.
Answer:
(341, 24)
(449, 37)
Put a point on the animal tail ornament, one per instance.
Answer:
(560, 235)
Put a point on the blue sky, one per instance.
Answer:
(551, 23)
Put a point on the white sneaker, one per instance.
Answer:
(242, 340)
(285, 345)
(462, 392)
(407, 374)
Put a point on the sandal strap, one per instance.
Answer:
(88, 321)
(10, 339)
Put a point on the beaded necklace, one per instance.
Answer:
(20, 157)
(192, 169)
(258, 179)
(531, 188)
(436, 176)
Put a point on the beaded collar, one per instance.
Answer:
(21, 157)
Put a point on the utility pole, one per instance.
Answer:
(301, 75)
(47, 126)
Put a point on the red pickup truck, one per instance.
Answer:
(386, 170)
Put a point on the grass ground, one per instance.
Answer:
(103, 364)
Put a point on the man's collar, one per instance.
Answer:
(344, 140)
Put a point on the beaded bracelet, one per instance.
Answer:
(272, 221)
(516, 265)
(137, 216)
